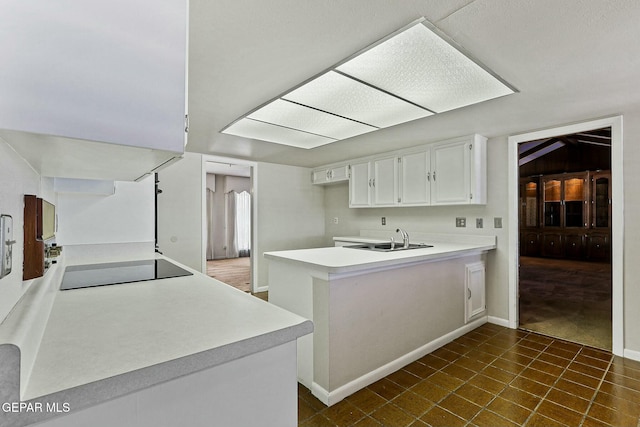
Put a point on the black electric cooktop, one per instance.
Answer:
(114, 273)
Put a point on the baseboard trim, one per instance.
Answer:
(631, 354)
(332, 397)
(498, 321)
(261, 289)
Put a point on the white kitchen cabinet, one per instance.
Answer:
(374, 183)
(330, 175)
(415, 178)
(360, 185)
(458, 171)
(94, 72)
(475, 290)
(101, 71)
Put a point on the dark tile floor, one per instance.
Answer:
(493, 376)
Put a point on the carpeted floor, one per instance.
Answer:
(567, 299)
(232, 271)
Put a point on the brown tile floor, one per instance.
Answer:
(493, 376)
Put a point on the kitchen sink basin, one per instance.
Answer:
(386, 247)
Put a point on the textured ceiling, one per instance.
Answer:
(571, 60)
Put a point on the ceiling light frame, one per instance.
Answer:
(334, 68)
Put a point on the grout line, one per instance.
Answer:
(593, 398)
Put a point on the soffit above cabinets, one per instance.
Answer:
(411, 74)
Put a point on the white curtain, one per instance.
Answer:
(238, 224)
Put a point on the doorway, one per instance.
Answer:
(229, 223)
(565, 236)
(516, 239)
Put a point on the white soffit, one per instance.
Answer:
(411, 74)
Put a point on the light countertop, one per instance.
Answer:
(348, 260)
(111, 340)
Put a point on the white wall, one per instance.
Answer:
(180, 211)
(17, 178)
(290, 213)
(124, 217)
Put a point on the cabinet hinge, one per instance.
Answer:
(399, 200)
(186, 123)
(399, 159)
(470, 146)
(349, 171)
(471, 196)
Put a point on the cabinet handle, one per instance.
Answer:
(374, 182)
(428, 176)
(468, 293)
(369, 182)
(434, 175)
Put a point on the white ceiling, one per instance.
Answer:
(571, 60)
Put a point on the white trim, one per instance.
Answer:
(498, 321)
(631, 354)
(335, 396)
(617, 230)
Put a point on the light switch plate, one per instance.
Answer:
(497, 222)
(6, 244)
(461, 222)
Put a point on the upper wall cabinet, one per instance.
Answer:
(374, 183)
(451, 172)
(105, 72)
(459, 171)
(330, 174)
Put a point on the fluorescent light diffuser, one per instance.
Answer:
(409, 75)
(253, 129)
(421, 67)
(346, 97)
(294, 116)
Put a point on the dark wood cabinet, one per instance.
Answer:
(530, 243)
(33, 264)
(599, 247)
(574, 246)
(566, 215)
(552, 245)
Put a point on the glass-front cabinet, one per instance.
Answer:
(565, 200)
(566, 215)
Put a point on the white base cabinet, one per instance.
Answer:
(475, 296)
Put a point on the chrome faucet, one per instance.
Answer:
(405, 237)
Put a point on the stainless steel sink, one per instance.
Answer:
(387, 247)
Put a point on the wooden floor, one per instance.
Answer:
(232, 271)
(567, 299)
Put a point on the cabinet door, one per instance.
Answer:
(360, 185)
(415, 179)
(451, 173)
(599, 247)
(338, 174)
(601, 200)
(574, 245)
(530, 242)
(101, 71)
(475, 290)
(320, 176)
(385, 182)
(552, 245)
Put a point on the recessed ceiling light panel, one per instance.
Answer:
(295, 116)
(408, 75)
(346, 97)
(420, 66)
(253, 129)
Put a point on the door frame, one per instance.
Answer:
(254, 211)
(617, 229)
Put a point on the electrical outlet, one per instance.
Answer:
(478, 222)
(384, 220)
(497, 222)
(335, 220)
(461, 222)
